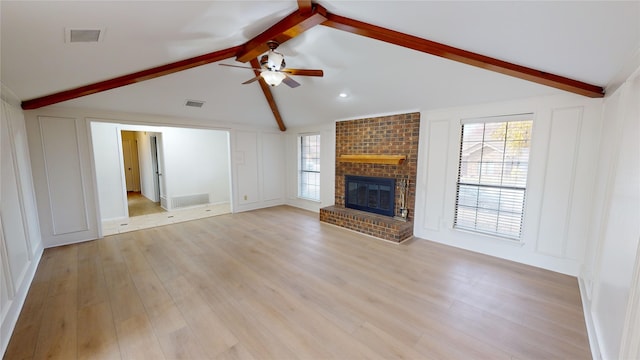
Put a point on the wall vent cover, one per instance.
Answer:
(83, 35)
(194, 103)
(189, 200)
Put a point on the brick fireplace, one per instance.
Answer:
(384, 147)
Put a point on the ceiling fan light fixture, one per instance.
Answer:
(275, 61)
(273, 78)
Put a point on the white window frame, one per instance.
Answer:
(302, 171)
(523, 189)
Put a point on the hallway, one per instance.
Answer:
(139, 205)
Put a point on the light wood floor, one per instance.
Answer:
(140, 205)
(277, 284)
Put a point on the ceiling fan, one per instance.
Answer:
(273, 69)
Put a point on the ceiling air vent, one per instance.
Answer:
(194, 103)
(83, 35)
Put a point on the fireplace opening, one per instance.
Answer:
(372, 194)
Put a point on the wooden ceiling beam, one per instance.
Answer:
(305, 6)
(268, 95)
(130, 78)
(289, 27)
(463, 56)
(307, 16)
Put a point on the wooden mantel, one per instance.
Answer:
(373, 159)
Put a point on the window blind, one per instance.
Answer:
(309, 176)
(492, 175)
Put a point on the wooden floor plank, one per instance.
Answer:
(276, 283)
(57, 338)
(25, 335)
(137, 339)
(97, 337)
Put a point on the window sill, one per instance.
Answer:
(308, 199)
(501, 239)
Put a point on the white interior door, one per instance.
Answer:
(155, 167)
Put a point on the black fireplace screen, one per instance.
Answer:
(373, 194)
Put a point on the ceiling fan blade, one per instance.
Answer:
(251, 80)
(290, 82)
(241, 67)
(303, 72)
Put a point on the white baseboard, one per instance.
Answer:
(16, 304)
(592, 332)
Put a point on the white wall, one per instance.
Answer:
(196, 161)
(561, 172)
(107, 145)
(614, 230)
(327, 166)
(20, 239)
(259, 164)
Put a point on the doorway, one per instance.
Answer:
(185, 172)
(140, 203)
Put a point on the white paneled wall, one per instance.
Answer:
(273, 153)
(63, 178)
(258, 169)
(434, 148)
(107, 145)
(245, 160)
(610, 277)
(20, 240)
(64, 175)
(561, 171)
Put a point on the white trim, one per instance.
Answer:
(15, 305)
(592, 334)
(8, 96)
(123, 176)
(627, 71)
(6, 269)
(630, 345)
(19, 186)
(499, 118)
(383, 114)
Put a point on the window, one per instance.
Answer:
(309, 175)
(492, 175)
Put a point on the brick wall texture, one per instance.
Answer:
(385, 135)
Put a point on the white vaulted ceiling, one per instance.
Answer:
(586, 41)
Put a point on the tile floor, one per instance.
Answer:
(112, 227)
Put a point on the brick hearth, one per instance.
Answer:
(380, 226)
(386, 135)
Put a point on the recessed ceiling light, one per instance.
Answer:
(343, 95)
